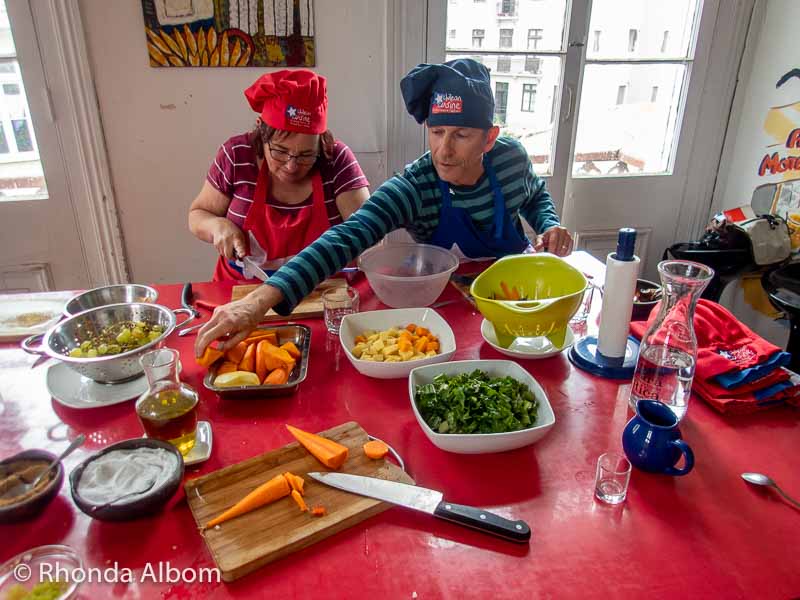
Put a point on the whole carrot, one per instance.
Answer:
(272, 490)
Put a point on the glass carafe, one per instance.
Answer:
(668, 351)
(168, 409)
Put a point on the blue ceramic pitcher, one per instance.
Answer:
(652, 440)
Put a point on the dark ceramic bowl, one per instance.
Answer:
(641, 310)
(149, 504)
(34, 504)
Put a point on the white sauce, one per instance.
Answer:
(126, 475)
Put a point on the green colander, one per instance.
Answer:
(550, 293)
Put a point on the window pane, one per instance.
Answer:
(620, 129)
(524, 19)
(535, 124)
(21, 173)
(642, 28)
(503, 64)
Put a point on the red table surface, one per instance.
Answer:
(706, 535)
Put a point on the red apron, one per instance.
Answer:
(280, 233)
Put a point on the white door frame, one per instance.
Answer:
(69, 97)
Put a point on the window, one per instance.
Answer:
(533, 64)
(528, 97)
(596, 42)
(503, 64)
(621, 94)
(507, 8)
(500, 102)
(477, 38)
(21, 172)
(633, 35)
(534, 37)
(664, 42)
(451, 34)
(506, 38)
(654, 93)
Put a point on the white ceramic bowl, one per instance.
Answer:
(379, 320)
(483, 443)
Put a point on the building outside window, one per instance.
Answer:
(621, 94)
(633, 35)
(506, 38)
(477, 37)
(596, 42)
(503, 64)
(664, 42)
(500, 102)
(528, 96)
(507, 8)
(533, 64)
(534, 37)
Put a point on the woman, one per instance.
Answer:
(468, 194)
(271, 192)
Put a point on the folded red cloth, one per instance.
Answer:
(723, 342)
(727, 402)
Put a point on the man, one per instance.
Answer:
(468, 193)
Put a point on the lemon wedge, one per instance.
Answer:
(236, 379)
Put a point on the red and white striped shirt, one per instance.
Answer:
(235, 170)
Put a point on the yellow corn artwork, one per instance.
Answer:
(203, 48)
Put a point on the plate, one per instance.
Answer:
(203, 441)
(73, 390)
(57, 559)
(526, 347)
(22, 315)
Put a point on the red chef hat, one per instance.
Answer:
(293, 100)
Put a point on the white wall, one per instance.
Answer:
(772, 51)
(163, 126)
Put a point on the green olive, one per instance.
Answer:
(76, 353)
(124, 337)
(102, 349)
(114, 349)
(92, 353)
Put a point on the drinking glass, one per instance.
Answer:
(336, 303)
(579, 318)
(611, 480)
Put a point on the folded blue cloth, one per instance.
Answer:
(732, 379)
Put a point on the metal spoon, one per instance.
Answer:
(759, 479)
(23, 488)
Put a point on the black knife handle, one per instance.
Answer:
(483, 520)
(187, 296)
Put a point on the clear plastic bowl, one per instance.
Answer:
(407, 275)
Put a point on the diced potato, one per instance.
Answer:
(393, 358)
(430, 353)
(395, 344)
(387, 350)
(377, 346)
(407, 355)
(378, 358)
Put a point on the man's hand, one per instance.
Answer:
(556, 240)
(228, 239)
(232, 322)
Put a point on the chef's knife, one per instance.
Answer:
(427, 501)
(252, 269)
(186, 300)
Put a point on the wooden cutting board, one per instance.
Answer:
(310, 306)
(245, 543)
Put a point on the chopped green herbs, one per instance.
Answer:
(476, 403)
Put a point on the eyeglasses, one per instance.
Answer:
(283, 156)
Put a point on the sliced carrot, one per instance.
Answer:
(375, 449)
(227, 367)
(249, 361)
(236, 354)
(329, 453)
(295, 481)
(319, 511)
(261, 359)
(272, 490)
(293, 351)
(506, 291)
(276, 377)
(299, 499)
(210, 356)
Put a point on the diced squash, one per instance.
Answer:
(276, 377)
(261, 362)
(293, 351)
(419, 345)
(329, 453)
(249, 361)
(210, 356)
(227, 367)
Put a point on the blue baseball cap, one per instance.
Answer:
(456, 93)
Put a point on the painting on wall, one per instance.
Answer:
(229, 33)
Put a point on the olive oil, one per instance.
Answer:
(171, 416)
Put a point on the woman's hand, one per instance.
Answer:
(556, 240)
(228, 239)
(233, 321)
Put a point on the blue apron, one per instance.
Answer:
(456, 225)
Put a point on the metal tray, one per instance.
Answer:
(301, 336)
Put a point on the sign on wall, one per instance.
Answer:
(229, 33)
